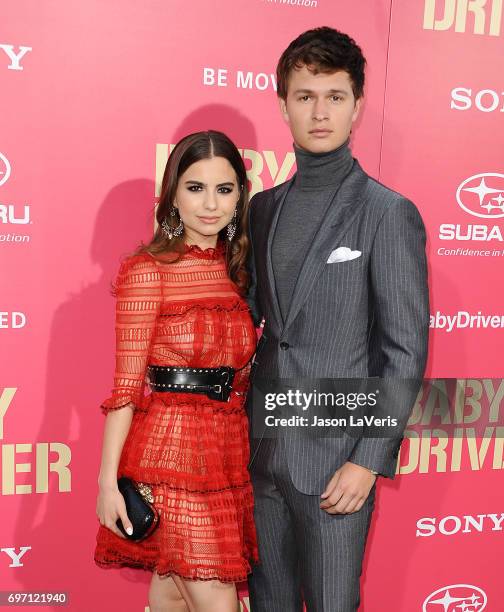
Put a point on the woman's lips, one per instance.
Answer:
(209, 220)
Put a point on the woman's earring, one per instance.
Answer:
(231, 227)
(167, 228)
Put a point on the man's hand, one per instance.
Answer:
(348, 489)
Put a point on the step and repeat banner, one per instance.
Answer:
(93, 96)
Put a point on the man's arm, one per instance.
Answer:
(398, 270)
(252, 298)
(401, 298)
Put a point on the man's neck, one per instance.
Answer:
(317, 171)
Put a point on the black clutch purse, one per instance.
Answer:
(139, 507)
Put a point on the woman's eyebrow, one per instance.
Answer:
(226, 184)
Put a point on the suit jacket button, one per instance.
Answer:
(284, 346)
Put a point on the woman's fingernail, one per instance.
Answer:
(129, 530)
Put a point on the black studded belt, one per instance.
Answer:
(216, 383)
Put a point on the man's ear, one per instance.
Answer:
(283, 109)
(357, 108)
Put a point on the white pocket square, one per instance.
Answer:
(343, 254)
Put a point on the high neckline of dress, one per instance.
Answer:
(208, 253)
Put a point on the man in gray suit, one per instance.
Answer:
(339, 277)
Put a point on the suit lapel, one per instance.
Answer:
(346, 203)
(271, 223)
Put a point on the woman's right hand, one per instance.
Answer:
(109, 507)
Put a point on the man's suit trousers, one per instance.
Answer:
(304, 552)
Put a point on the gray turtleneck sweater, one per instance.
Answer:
(318, 176)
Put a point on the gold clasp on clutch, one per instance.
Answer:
(146, 492)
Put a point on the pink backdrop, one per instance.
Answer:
(92, 96)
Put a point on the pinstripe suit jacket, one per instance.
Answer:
(360, 318)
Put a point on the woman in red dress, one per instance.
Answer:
(180, 305)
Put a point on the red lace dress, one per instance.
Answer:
(193, 450)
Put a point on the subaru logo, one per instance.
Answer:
(456, 597)
(482, 195)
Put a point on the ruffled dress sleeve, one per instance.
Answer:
(139, 293)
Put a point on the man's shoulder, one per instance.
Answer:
(383, 195)
(382, 203)
(267, 195)
(383, 199)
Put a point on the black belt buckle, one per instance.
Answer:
(222, 390)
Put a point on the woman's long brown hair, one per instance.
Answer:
(189, 150)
